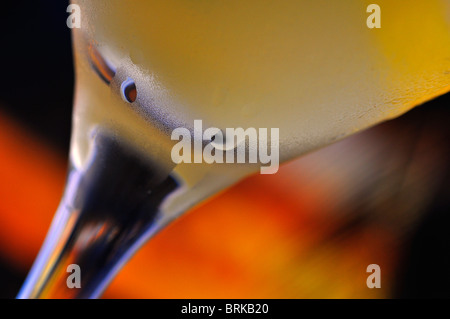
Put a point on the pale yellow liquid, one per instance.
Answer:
(313, 69)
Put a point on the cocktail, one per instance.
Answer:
(147, 68)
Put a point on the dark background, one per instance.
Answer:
(36, 88)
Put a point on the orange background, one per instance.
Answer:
(297, 234)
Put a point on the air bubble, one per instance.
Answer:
(128, 90)
(101, 66)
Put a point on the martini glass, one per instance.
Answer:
(314, 70)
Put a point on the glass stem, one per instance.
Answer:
(107, 212)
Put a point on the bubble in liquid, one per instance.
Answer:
(103, 68)
(128, 90)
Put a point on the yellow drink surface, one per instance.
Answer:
(313, 69)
